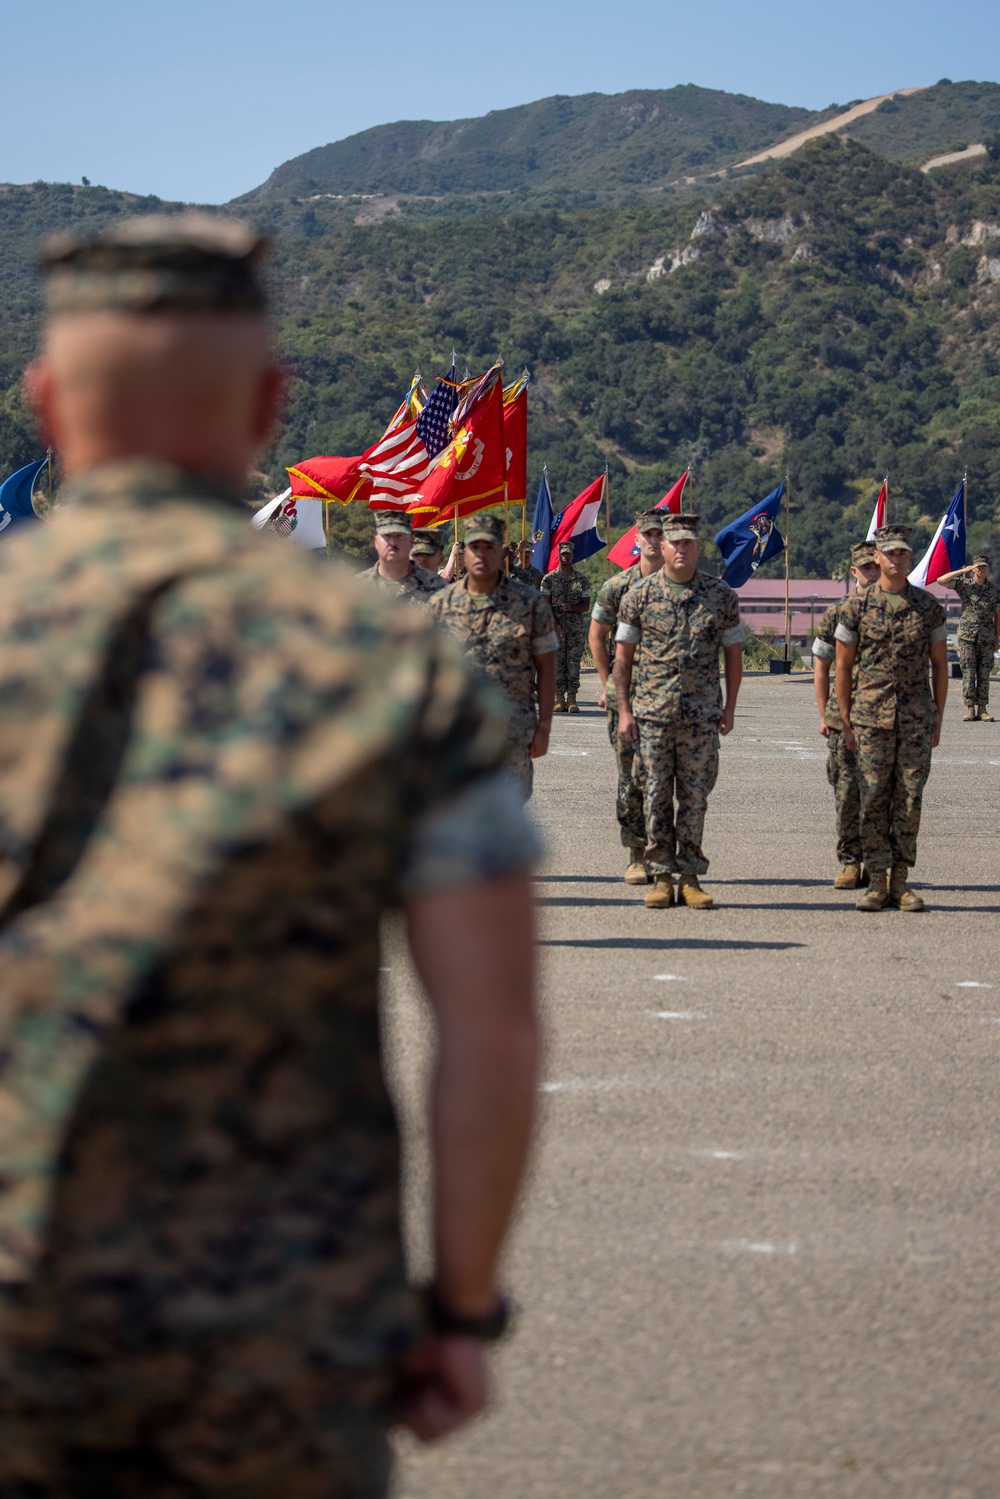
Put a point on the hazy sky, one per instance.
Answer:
(200, 101)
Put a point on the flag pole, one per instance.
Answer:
(607, 521)
(788, 612)
(48, 454)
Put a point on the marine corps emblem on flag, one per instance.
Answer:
(761, 525)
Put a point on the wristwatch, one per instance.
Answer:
(451, 1324)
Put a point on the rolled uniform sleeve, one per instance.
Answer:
(544, 640)
(600, 613)
(480, 834)
(733, 631)
(628, 634)
(939, 633)
(845, 634)
(823, 649)
(629, 630)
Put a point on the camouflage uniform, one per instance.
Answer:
(216, 773)
(628, 799)
(841, 763)
(419, 585)
(677, 701)
(561, 589)
(976, 638)
(893, 714)
(502, 632)
(529, 575)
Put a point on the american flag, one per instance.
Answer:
(401, 461)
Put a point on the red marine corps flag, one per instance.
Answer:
(471, 472)
(515, 432)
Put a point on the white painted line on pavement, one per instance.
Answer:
(749, 1246)
(568, 752)
(585, 1085)
(669, 978)
(972, 984)
(676, 1015)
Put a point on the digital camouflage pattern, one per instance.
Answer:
(210, 766)
(976, 660)
(562, 589)
(676, 761)
(628, 797)
(977, 636)
(841, 763)
(675, 675)
(894, 647)
(842, 773)
(531, 576)
(419, 585)
(893, 766)
(502, 632)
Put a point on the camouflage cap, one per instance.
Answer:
(186, 262)
(426, 543)
(981, 560)
(862, 552)
(649, 520)
(894, 539)
(484, 528)
(566, 545)
(681, 527)
(387, 521)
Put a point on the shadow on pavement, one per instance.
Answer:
(578, 879)
(659, 943)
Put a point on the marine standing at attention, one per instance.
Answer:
(568, 591)
(841, 764)
(427, 549)
(217, 773)
(891, 631)
(522, 569)
(395, 571)
(978, 633)
(507, 630)
(673, 711)
(604, 622)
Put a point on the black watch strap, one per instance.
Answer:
(451, 1324)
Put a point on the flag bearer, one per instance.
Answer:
(841, 766)
(674, 712)
(978, 633)
(891, 631)
(395, 571)
(568, 591)
(603, 624)
(508, 631)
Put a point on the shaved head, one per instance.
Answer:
(196, 390)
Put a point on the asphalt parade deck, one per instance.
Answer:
(757, 1255)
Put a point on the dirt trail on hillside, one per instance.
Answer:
(785, 148)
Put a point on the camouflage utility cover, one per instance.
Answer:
(419, 585)
(894, 645)
(210, 765)
(675, 676)
(980, 601)
(502, 634)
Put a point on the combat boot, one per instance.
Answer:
(900, 894)
(849, 877)
(691, 894)
(970, 715)
(571, 706)
(877, 895)
(985, 716)
(636, 873)
(662, 894)
(560, 703)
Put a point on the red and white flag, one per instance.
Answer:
(399, 462)
(879, 513)
(626, 549)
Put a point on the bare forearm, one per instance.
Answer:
(474, 951)
(732, 656)
(545, 678)
(597, 639)
(844, 689)
(622, 673)
(939, 684)
(821, 685)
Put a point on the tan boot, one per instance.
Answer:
(636, 873)
(571, 706)
(985, 716)
(691, 894)
(970, 715)
(662, 894)
(560, 703)
(849, 877)
(877, 896)
(900, 894)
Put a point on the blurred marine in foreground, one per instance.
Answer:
(216, 774)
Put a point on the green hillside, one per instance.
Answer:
(592, 144)
(936, 120)
(836, 314)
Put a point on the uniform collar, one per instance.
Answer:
(144, 482)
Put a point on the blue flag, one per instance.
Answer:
(542, 526)
(751, 540)
(15, 495)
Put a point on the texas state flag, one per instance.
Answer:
(626, 548)
(578, 524)
(946, 552)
